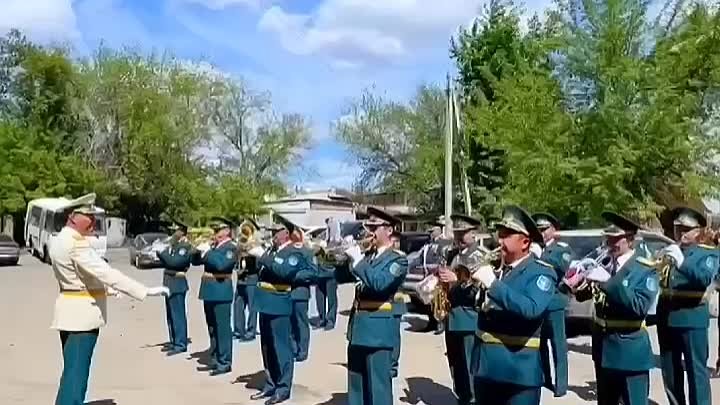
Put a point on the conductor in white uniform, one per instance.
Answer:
(85, 281)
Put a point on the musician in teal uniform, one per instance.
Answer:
(245, 328)
(558, 254)
(462, 318)
(400, 301)
(621, 347)
(216, 292)
(326, 289)
(372, 329)
(300, 295)
(283, 265)
(507, 366)
(682, 311)
(176, 260)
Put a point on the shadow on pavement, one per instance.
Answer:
(582, 349)
(203, 358)
(255, 381)
(336, 398)
(426, 391)
(340, 364)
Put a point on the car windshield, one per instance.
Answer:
(148, 238)
(582, 245)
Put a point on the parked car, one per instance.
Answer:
(583, 242)
(142, 249)
(9, 250)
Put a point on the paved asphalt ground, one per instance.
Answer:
(129, 368)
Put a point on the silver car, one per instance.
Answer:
(142, 249)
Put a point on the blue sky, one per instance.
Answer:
(312, 55)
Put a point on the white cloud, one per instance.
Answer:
(223, 4)
(352, 32)
(41, 20)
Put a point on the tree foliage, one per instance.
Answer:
(397, 146)
(135, 128)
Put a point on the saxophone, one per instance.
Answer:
(440, 302)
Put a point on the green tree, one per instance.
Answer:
(397, 145)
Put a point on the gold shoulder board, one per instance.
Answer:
(546, 264)
(710, 247)
(646, 261)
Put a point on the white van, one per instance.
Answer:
(44, 219)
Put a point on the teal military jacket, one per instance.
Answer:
(279, 270)
(176, 259)
(682, 303)
(371, 318)
(219, 262)
(507, 348)
(301, 288)
(620, 338)
(463, 316)
(558, 254)
(247, 270)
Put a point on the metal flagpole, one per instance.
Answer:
(448, 159)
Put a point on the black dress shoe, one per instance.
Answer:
(276, 399)
(175, 351)
(261, 395)
(220, 371)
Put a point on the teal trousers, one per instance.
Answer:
(77, 350)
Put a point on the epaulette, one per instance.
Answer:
(645, 261)
(546, 264)
(400, 252)
(562, 244)
(709, 247)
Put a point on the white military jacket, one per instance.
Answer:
(84, 279)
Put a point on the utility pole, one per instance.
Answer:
(448, 159)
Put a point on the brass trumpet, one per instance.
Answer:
(248, 239)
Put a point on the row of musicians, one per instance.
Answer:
(621, 348)
(220, 262)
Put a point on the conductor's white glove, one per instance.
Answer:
(485, 276)
(257, 251)
(674, 252)
(158, 291)
(536, 249)
(354, 253)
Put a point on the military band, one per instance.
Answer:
(507, 366)
(461, 320)
(372, 330)
(682, 311)
(502, 312)
(216, 292)
(558, 254)
(176, 259)
(622, 297)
